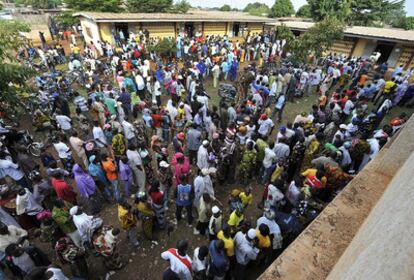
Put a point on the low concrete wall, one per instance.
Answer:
(315, 252)
(384, 246)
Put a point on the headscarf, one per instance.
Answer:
(94, 169)
(84, 181)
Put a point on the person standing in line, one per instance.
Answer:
(180, 263)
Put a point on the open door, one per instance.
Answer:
(385, 48)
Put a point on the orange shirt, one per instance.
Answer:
(363, 79)
(110, 169)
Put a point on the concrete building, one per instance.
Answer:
(102, 26)
(395, 45)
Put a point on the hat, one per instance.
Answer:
(215, 209)
(164, 164)
(343, 126)
(216, 135)
(251, 233)
(270, 214)
(283, 128)
(347, 144)
(205, 171)
(263, 117)
(181, 135)
(106, 126)
(74, 210)
(205, 142)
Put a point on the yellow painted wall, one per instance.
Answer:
(215, 28)
(342, 47)
(106, 32)
(255, 27)
(360, 47)
(162, 29)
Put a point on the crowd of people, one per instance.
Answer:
(148, 139)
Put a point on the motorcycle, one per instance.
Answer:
(10, 136)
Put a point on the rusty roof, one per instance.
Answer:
(192, 15)
(388, 34)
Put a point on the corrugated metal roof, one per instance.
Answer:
(390, 34)
(192, 15)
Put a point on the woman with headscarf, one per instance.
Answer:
(98, 175)
(181, 165)
(86, 188)
(311, 151)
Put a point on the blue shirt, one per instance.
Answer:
(183, 195)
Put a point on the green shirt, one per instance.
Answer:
(62, 219)
(111, 105)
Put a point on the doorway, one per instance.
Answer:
(385, 48)
(236, 29)
(122, 26)
(189, 29)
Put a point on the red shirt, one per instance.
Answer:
(157, 118)
(157, 198)
(63, 190)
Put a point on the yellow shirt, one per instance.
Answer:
(246, 199)
(228, 243)
(75, 50)
(264, 241)
(388, 86)
(312, 172)
(235, 220)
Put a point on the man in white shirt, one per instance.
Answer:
(180, 262)
(281, 149)
(202, 156)
(63, 150)
(157, 92)
(64, 122)
(9, 168)
(135, 162)
(140, 84)
(245, 251)
(129, 131)
(98, 135)
(268, 160)
(266, 125)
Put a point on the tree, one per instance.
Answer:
(257, 9)
(225, 8)
(320, 9)
(165, 48)
(316, 40)
(44, 4)
(149, 6)
(13, 73)
(409, 23)
(95, 5)
(181, 7)
(282, 8)
(357, 12)
(304, 11)
(65, 20)
(374, 12)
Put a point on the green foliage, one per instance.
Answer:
(65, 20)
(13, 74)
(304, 11)
(370, 12)
(282, 8)
(225, 8)
(165, 48)
(359, 12)
(409, 23)
(181, 7)
(317, 40)
(95, 5)
(148, 6)
(257, 9)
(320, 9)
(39, 4)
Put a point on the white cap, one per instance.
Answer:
(343, 126)
(74, 210)
(251, 233)
(205, 171)
(215, 209)
(205, 142)
(164, 164)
